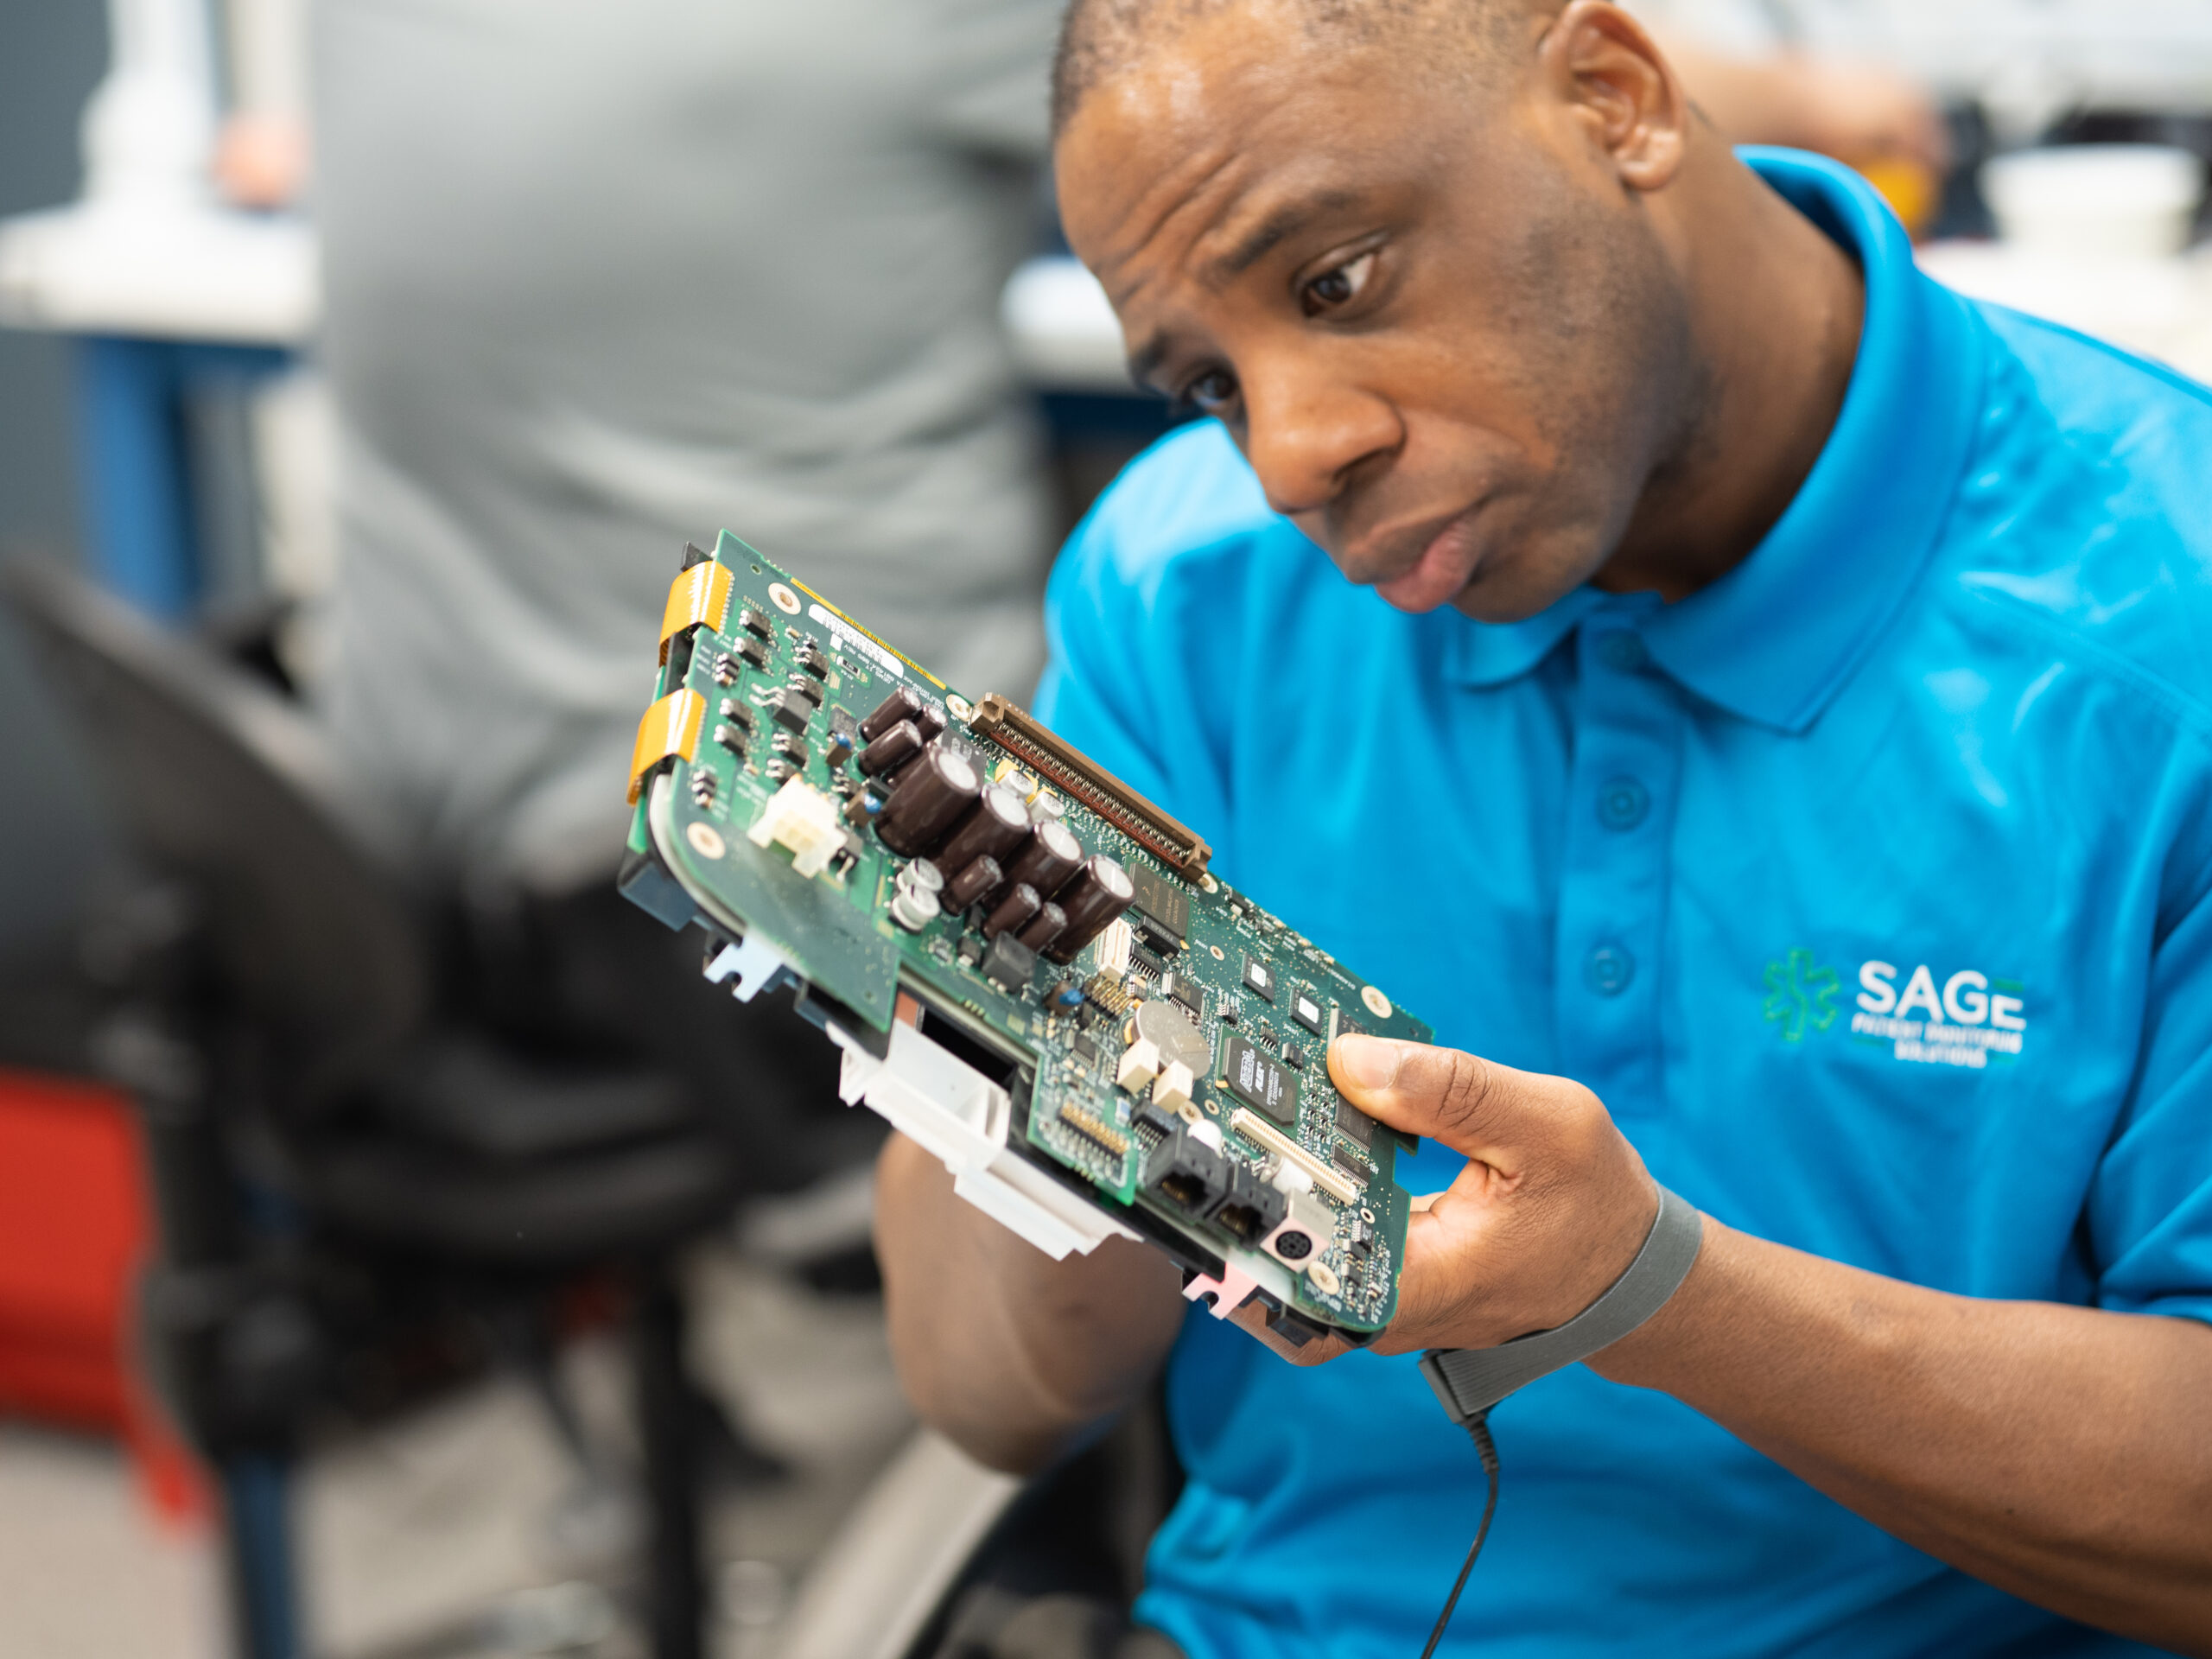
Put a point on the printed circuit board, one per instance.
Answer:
(1030, 967)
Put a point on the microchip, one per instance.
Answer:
(790, 709)
(1350, 1161)
(842, 725)
(737, 713)
(755, 651)
(731, 738)
(1185, 990)
(1163, 909)
(806, 689)
(1260, 1083)
(811, 660)
(755, 621)
(1356, 1126)
(1228, 1015)
(1259, 979)
(1308, 1013)
(1085, 1050)
(1293, 1056)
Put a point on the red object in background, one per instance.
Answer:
(74, 1225)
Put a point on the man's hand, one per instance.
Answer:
(2062, 1453)
(1552, 1207)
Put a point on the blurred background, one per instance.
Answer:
(402, 1253)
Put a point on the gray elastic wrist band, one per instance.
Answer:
(1470, 1380)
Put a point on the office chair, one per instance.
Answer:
(304, 1104)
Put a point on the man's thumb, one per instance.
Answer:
(1422, 1089)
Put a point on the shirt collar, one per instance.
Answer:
(1774, 638)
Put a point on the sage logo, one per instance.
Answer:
(1961, 1022)
(1801, 996)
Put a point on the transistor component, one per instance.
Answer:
(928, 799)
(803, 819)
(755, 620)
(1009, 965)
(792, 711)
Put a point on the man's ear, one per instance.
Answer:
(1602, 67)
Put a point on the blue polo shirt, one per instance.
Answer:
(1867, 886)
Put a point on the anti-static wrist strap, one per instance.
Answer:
(1470, 1380)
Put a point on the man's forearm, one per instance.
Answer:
(1011, 1354)
(2063, 1453)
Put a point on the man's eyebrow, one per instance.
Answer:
(1262, 239)
(1145, 359)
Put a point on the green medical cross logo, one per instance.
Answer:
(1799, 994)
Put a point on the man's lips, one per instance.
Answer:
(1446, 560)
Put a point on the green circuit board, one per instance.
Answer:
(1245, 1164)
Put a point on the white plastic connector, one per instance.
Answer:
(1174, 1087)
(1140, 1065)
(800, 816)
(960, 1116)
(1115, 946)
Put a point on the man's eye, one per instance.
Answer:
(1211, 392)
(1338, 287)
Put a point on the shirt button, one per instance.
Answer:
(1619, 649)
(1608, 969)
(1622, 803)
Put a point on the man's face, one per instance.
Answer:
(1442, 332)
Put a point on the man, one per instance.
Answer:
(1774, 743)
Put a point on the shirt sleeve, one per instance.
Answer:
(2149, 1209)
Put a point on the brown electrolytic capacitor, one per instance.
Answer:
(933, 792)
(1020, 903)
(930, 720)
(971, 882)
(892, 747)
(1046, 859)
(901, 704)
(1093, 897)
(1044, 927)
(997, 825)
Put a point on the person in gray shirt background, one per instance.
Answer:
(603, 279)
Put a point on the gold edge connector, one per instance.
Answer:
(1035, 745)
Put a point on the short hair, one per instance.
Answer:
(1100, 39)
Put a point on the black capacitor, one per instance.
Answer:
(1093, 897)
(930, 720)
(971, 882)
(1046, 859)
(933, 792)
(1044, 927)
(997, 824)
(901, 704)
(1017, 907)
(892, 746)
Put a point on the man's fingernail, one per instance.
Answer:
(1369, 1062)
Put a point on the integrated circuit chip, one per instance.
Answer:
(1355, 1125)
(1308, 1013)
(1163, 909)
(1260, 1082)
(1259, 979)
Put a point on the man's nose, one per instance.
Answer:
(1308, 433)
